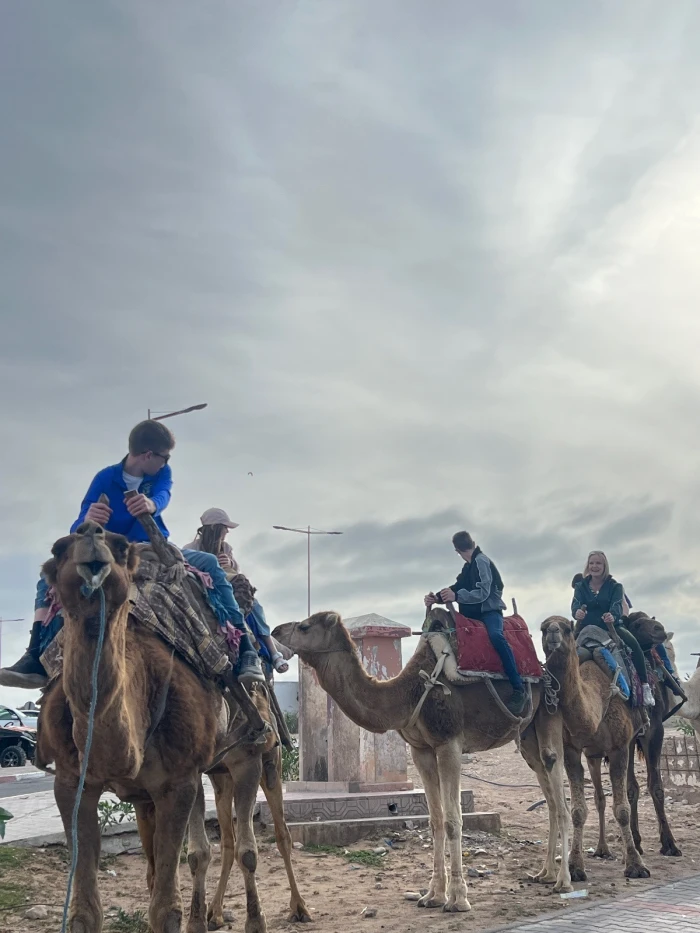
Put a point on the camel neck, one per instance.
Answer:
(581, 702)
(374, 705)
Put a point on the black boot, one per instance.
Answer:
(28, 671)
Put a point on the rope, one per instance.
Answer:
(86, 591)
(431, 681)
(551, 691)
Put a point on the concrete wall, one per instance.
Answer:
(288, 695)
(680, 763)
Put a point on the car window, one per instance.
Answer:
(8, 717)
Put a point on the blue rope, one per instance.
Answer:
(85, 590)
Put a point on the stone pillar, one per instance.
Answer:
(313, 726)
(355, 755)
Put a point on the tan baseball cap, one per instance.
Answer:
(217, 517)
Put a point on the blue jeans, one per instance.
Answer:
(258, 625)
(50, 631)
(221, 598)
(493, 622)
(662, 653)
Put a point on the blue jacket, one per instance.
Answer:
(110, 482)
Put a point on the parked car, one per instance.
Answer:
(9, 716)
(17, 737)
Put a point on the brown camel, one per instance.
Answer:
(649, 633)
(224, 777)
(155, 732)
(600, 726)
(465, 720)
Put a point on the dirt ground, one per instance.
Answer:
(337, 891)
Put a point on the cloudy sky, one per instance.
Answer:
(432, 266)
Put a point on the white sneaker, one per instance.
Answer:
(647, 695)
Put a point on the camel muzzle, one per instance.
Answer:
(94, 572)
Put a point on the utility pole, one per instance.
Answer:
(308, 531)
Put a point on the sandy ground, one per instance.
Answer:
(337, 891)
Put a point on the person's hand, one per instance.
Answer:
(608, 618)
(140, 505)
(448, 595)
(580, 615)
(429, 601)
(225, 561)
(98, 512)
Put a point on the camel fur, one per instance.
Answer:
(156, 729)
(465, 720)
(598, 725)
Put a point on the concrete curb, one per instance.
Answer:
(31, 776)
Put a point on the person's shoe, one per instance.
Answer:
(647, 695)
(516, 702)
(674, 685)
(27, 672)
(250, 668)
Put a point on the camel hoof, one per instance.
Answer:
(562, 888)
(214, 924)
(637, 871)
(672, 851)
(604, 854)
(577, 874)
(300, 916)
(432, 903)
(459, 907)
(542, 878)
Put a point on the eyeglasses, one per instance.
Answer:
(163, 457)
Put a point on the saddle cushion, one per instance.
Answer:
(476, 653)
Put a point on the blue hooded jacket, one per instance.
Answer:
(111, 482)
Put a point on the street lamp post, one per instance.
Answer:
(171, 414)
(308, 531)
(1, 621)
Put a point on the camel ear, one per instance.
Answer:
(132, 558)
(330, 619)
(669, 636)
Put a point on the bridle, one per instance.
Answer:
(295, 626)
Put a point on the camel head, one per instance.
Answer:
(558, 636)
(321, 634)
(89, 559)
(646, 630)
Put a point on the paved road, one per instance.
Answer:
(669, 907)
(30, 786)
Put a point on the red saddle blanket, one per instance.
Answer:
(476, 653)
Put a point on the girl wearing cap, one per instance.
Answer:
(211, 537)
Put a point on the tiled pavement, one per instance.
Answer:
(663, 908)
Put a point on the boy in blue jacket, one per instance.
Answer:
(144, 470)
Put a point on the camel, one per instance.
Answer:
(156, 729)
(465, 720)
(691, 709)
(649, 633)
(600, 726)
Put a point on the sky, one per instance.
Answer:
(431, 266)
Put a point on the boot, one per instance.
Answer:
(647, 695)
(674, 685)
(28, 671)
(249, 668)
(516, 702)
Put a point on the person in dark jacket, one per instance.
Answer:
(479, 592)
(599, 600)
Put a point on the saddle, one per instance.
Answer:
(596, 644)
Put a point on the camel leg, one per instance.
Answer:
(246, 780)
(198, 858)
(85, 914)
(579, 810)
(633, 797)
(172, 816)
(652, 745)
(146, 822)
(426, 763)
(595, 769)
(449, 762)
(223, 793)
(298, 911)
(619, 759)
(542, 747)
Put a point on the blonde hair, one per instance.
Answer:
(606, 565)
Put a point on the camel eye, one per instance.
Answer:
(304, 626)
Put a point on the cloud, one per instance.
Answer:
(427, 271)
